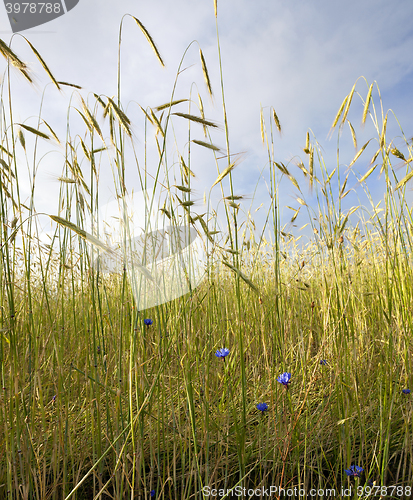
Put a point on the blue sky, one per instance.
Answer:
(301, 57)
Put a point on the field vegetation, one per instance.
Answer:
(97, 403)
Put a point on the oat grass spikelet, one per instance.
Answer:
(201, 110)
(276, 120)
(206, 145)
(66, 84)
(368, 173)
(262, 125)
(8, 54)
(350, 97)
(353, 134)
(52, 132)
(197, 119)
(122, 118)
(91, 119)
(359, 154)
(383, 132)
(336, 119)
(42, 62)
(224, 173)
(307, 143)
(206, 74)
(169, 104)
(404, 180)
(34, 131)
(366, 106)
(150, 40)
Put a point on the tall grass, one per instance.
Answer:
(95, 402)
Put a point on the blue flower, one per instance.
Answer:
(354, 471)
(323, 361)
(262, 407)
(221, 353)
(148, 322)
(284, 379)
(406, 391)
(153, 493)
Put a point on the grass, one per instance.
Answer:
(95, 403)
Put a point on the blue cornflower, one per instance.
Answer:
(153, 493)
(354, 471)
(406, 391)
(148, 322)
(221, 353)
(262, 407)
(284, 379)
(323, 361)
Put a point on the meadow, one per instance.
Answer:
(96, 402)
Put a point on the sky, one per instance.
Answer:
(301, 58)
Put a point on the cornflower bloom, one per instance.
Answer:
(262, 407)
(284, 379)
(148, 322)
(222, 353)
(354, 471)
